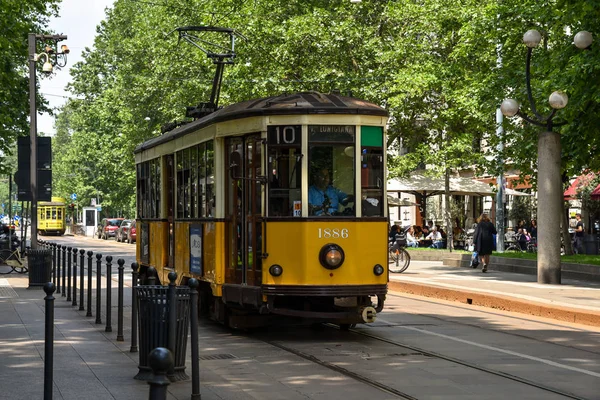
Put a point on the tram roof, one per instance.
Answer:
(297, 103)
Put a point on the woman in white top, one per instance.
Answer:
(411, 241)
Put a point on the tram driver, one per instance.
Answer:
(323, 198)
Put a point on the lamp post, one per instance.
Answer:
(60, 58)
(549, 175)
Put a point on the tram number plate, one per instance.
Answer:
(333, 233)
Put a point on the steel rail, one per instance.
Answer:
(377, 385)
(465, 363)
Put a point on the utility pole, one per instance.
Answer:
(500, 182)
(33, 167)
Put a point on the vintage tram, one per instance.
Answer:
(276, 205)
(52, 216)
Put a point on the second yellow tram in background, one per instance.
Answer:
(52, 216)
(237, 199)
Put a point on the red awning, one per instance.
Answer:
(596, 193)
(581, 180)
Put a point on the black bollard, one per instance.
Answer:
(64, 270)
(161, 360)
(172, 327)
(53, 247)
(121, 270)
(74, 302)
(98, 288)
(108, 294)
(68, 256)
(58, 268)
(89, 291)
(193, 284)
(49, 341)
(134, 307)
(81, 278)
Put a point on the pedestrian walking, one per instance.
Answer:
(484, 239)
(578, 237)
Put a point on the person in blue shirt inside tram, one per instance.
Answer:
(323, 198)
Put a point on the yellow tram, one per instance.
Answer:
(51, 216)
(277, 205)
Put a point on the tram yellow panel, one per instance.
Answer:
(296, 246)
(159, 239)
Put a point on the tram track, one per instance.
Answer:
(517, 335)
(353, 375)
(464, 363)
(389, 390)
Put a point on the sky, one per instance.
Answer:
(78, 20)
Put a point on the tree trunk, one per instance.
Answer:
(447, 213)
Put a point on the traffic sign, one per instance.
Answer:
(73, 196)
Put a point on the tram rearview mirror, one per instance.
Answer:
(235, 165)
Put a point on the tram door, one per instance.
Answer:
(244, 207)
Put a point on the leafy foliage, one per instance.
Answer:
(433, 64)
(19, 18)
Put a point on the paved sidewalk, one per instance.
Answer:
(90, 364)
(572, 301)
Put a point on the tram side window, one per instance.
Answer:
(372, 171)
(195, 194)
(210, 180)
(331, 170)
(285, 171)
(148, 189)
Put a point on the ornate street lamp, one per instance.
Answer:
(549, 209)
(50, 53)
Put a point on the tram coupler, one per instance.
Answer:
(368, 314)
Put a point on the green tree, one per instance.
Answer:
(19, 18)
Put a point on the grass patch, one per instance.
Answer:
(574, 259)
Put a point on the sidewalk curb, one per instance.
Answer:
(504, 303)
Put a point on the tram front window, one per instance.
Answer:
(331, 171)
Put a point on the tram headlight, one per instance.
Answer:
(275, 270)
(378, 269)
(331, 256)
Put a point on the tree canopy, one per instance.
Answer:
(19, 18)
(434, 64)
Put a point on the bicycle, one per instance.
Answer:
(400, 257)
(14, 259)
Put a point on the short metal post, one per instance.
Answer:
(58, 268)
(74, 302)
(151, 275)
(121, 270)
(81, 278)
(49, 341)
(172, 307)
(193, 284)
(98, 288)
(53, 248)
(68, 256)
(161, 360)
(89, 285)
(134, 308)
(64, 270)
(108, 294)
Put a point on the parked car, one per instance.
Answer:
(132, 233)
(121, 235)
(108, 227)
